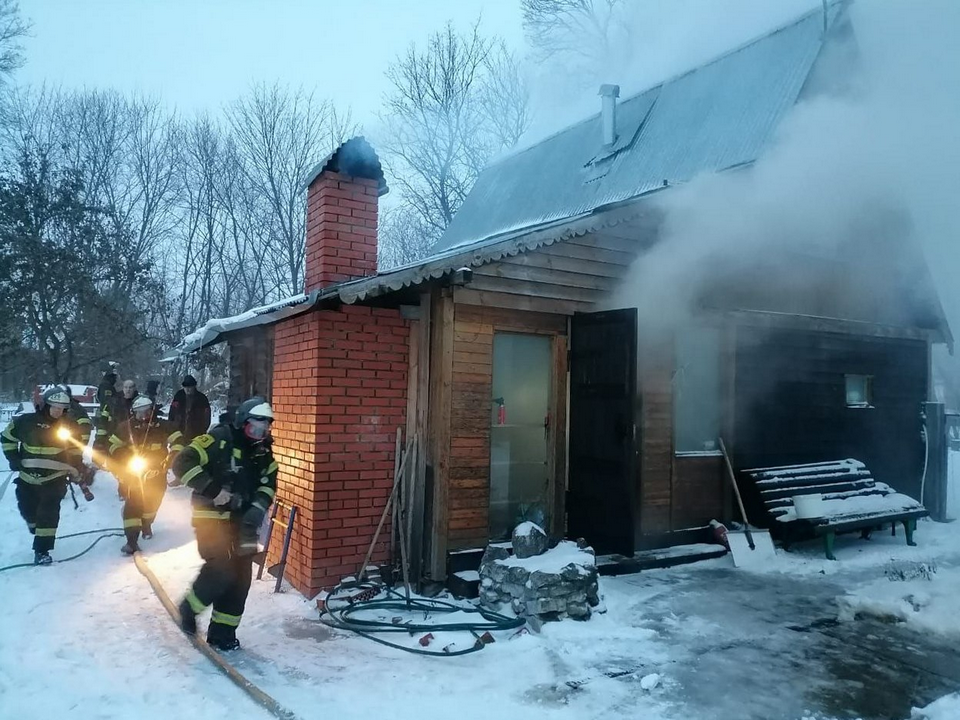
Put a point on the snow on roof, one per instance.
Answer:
(210, 332)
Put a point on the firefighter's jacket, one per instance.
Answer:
(109, 417)
(32, 448)
(154, 439)
(82, 419)
(225, 459)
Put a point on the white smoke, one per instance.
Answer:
(841, 166)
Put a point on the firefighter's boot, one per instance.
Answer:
(222, 638)
(42, 558)
(131, 545)
(188, 618)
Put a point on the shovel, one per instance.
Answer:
(750, 548)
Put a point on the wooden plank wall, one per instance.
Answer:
(562, 279)
(791, 403)
(655, 441)
(251, 364)
(469, 478)
(697, 491)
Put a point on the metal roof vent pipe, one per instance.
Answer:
(608, 112)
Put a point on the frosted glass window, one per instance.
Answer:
(519, 431)
(696, 390)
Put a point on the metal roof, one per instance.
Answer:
(434, 268)
(718, 116)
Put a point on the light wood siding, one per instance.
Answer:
(561, 279)
(468, 499)
(655, 361)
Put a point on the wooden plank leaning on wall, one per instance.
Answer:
(438, 442)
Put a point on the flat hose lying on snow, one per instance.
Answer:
(258, 696)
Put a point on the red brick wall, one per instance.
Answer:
(341, 229)
(340, 393)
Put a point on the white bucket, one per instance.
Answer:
(808, 507)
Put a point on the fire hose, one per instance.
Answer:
(344, 617)
(255, 693)
(107, 532)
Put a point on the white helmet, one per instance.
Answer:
(141, 404)
(254, 417)
(56, 396)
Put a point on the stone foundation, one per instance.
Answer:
(561, 582)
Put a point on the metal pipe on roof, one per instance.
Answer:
(608, 112)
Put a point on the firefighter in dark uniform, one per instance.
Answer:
(109, 414)
(82, 419)
(142, 449)
(233, 476)
(40, 446)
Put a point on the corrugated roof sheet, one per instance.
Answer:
(715, 117)
(435, 267)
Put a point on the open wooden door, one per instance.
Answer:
(603, 379)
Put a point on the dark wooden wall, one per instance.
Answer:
(251, 364)
(676, 492)
(790, 402)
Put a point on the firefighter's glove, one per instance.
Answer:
(223, 498)
(250, 530)
(253, 516)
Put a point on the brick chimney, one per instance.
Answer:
(342, 195)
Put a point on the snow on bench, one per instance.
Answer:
(851, 500)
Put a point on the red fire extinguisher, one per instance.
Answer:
(501, 411)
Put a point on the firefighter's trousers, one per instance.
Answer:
(141, 500)
(39, 506)
(224, 579)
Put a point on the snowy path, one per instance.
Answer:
(88, 639)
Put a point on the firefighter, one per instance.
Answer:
(40, 446)
(109, 414)
(82, 419)
(233, 476)
(142, 449)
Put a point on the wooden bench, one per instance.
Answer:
(852, 500)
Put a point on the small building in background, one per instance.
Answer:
(524, 382)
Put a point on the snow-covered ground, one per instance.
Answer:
(946, 708)
(88, 639)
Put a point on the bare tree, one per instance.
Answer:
(280, 134)
(403, 237)
(452, 105)
(583, 30)
(12, 31)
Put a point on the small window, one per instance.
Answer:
(859, 391)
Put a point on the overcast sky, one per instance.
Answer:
(201, 54)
